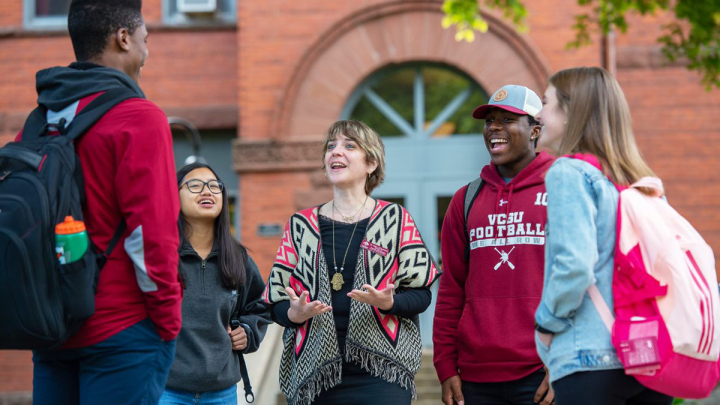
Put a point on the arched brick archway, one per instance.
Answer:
(280, 172)
(395, 33)
(358, 45)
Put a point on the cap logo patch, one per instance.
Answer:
(501, 95)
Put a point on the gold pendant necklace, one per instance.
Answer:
(337, 278)
(337, 281)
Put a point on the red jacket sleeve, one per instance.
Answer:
(147, 195)
(451, 292)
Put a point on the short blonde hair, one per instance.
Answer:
(368, 140)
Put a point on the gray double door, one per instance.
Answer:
(423, 173)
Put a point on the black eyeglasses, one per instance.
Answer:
(196, 186)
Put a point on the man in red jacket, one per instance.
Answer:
(122, 354)
(484, 348)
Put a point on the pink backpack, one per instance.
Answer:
(667, 311)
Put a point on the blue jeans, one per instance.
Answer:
(516, 392)
(228, 396)
(130, 367)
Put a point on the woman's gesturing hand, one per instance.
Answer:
(300, 310)
(379, 299)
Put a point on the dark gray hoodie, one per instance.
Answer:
(204, 359)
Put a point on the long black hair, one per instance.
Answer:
(233, 255)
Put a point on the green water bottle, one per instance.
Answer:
(71, 240)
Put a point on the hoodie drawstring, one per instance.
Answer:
(510, 193)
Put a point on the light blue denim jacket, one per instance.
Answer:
(579, 247)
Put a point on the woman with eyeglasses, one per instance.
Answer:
(222, 285)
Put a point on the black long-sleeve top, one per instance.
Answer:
(406, 302)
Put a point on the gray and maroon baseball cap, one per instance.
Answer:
(513, 98)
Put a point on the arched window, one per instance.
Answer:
(417, 100)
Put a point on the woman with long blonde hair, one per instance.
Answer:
(585, 112)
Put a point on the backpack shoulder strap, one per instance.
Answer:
(35, 124)
(471, 193)
(595, 162)
(602, 307)
(82, 122)
(586, 157)
(249, 395)
(244, 375)
(119, 231)
(92, 113)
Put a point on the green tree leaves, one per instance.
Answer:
(694, 36)
(465, 15)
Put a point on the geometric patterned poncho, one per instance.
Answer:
(387, 346)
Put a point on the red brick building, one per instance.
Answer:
(275, 75)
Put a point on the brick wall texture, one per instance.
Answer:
(288, 68)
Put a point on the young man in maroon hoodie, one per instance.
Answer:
(484, 348)
(122, 354)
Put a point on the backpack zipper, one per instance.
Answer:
(54, 287)
(21, 203)
(43, 195)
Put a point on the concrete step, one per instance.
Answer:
(427, 371)
(426, 377)
(424, 397)
(16, 398)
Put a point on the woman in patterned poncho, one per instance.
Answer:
(350, 278)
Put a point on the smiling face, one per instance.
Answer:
(510, 139)
(346, 164)
(553, 120)
(203, 206)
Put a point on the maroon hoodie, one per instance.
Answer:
(483, 327)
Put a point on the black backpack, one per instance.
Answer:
(42, 303)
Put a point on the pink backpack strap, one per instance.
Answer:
(593, 160)
(602, 307)
(586, 157)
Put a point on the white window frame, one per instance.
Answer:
(227, 17)
(31, 20)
